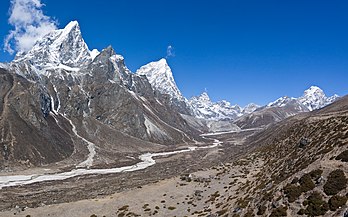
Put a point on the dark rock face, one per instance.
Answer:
(29, 135)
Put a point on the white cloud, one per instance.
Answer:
(170, 51)
(29, 24)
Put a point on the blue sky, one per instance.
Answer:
(242, 51)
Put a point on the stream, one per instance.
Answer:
(146, 161)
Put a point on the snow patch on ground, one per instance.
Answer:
(94, 53)
(152, 129)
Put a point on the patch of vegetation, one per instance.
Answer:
(294, 181)
(343, 156)
(337, 201)
(316, 205)
(306, 183)
(93, 215)
(315, 174)
(301, 212)
(221, 212)
(280, 211)
(213, 197)
(124, 208)
(145, 206)
(243, 203)
(171, 207)
(268, 196)
(292, 192)
(336, 182)
(261, 210)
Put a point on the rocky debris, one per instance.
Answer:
(303, 142)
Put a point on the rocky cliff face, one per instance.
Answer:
(30, 135)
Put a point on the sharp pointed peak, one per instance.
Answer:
(204, 96)
(160, 62)
(204, 93)
(109, 49)
(72, 26)
(314, 88)
(157, 68)
(163, 61)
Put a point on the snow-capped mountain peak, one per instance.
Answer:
(203, 98)
(204, 108)
(251, 107)
(281, 102)
(161, 78)
(61, 48)
(315, 98)
(313, 94)
(312, 98)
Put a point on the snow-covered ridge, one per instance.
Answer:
(63, 48)
(4, 65)
(312, 99)
(161, 78)
(204, 108)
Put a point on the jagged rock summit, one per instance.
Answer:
(161, 78)
(204, 108)
(63, 48)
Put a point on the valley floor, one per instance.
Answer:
(160, 186)
(197, 194)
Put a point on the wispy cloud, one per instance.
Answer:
(29, 24)
(170, 51)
